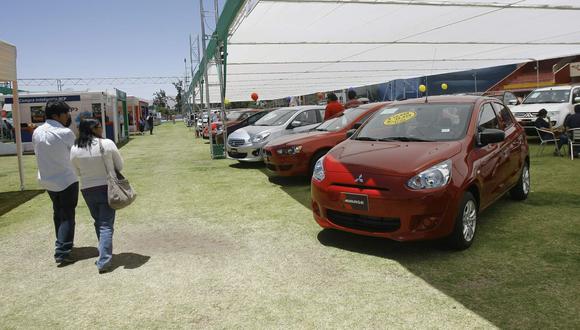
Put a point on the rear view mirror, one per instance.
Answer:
(350, 132)
(491, 135)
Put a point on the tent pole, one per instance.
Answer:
(17, 130)
(205, 68)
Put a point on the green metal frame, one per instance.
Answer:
(220, 36)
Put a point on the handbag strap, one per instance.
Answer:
(103, 157)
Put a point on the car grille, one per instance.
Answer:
(237, 155)
(236, 142)
(363, 222)
(525, 114)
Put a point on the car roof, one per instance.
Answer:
(445, 99)
(556, 88)
(244, 110)
(303, 107)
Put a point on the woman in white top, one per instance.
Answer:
(89, 165)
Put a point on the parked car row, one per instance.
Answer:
(407, 170)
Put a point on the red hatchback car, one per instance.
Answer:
(423, 169)
(296, 154)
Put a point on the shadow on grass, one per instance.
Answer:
(81, 253)
(129, 260)
(296, 187)
(248, 165)
(380, 247)
(12, 199)
(546, 198)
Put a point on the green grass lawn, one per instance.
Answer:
(218, 244)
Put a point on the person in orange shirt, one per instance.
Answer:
(333, 107)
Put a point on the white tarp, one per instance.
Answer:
(7, 62)
(280, 48)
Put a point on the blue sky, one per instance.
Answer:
(105, 38)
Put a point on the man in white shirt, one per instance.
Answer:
(52, 143)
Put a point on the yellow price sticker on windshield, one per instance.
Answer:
(400, 118)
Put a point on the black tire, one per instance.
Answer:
(521, 190)
(465, 223)
(314, 159)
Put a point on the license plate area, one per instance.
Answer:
(358, 202)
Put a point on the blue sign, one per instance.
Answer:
(44, 99)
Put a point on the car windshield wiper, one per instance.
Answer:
(404, 139)
(365, 138)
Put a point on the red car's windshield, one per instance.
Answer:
(347, 117)
(418, 122)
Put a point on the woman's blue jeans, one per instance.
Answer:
(104, 215)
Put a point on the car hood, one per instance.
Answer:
(249, 132)
(299, 138)
(537, 107)
(389, 158)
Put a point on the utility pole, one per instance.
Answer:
(184, 96)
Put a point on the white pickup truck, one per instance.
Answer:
(559, 101)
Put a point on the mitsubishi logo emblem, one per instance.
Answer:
(359, 179)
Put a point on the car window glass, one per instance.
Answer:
(504, 114)
(346, 118)
(418, 122)
(509, 97)
(276, 117)
(548, 96)
(487, 118)
(307, 117)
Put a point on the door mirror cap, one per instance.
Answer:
(295, 123)
(577, 99)
(357, 125)
(491, 135)
(350, 133)
(513, 102)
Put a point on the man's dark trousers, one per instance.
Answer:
(64, 204)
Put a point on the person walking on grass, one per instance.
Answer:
(88, 157)
(52, 142)
(150, 123)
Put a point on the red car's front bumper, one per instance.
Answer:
(394, 211)
(286, 165)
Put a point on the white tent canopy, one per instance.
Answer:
(8, 73)
(281, 48)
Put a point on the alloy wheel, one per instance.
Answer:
(469, 220)
(526, 180)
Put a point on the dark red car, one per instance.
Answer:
(423, 169)
(296, 154)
